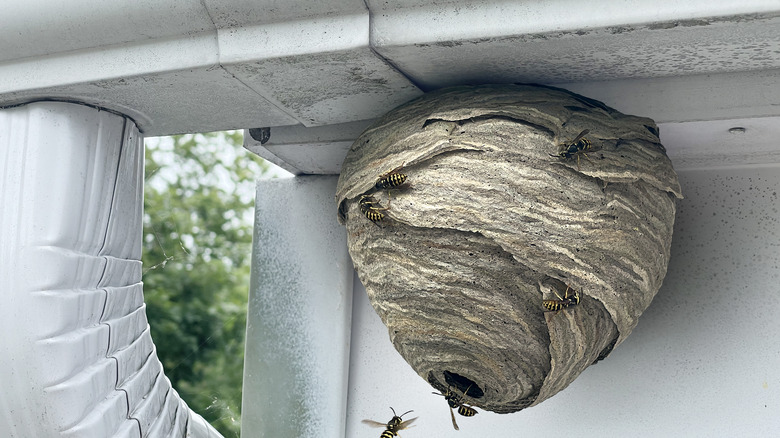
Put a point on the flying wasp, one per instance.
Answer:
(455, 401)
(575, 148)
(370, 207)
(391, 179)
(393, 426)
(561, 303)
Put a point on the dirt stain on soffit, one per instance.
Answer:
(612, 30)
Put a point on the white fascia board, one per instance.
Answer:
(44, 27)
(105, 63)
(242, 13)
(33, 28)
(293, 38)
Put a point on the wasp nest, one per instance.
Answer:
(469, 207)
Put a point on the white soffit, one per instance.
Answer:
(301, 150)
(722, 143)
(574, 41)
(690, 145)
(321, 84)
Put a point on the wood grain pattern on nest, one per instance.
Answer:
(491, 220)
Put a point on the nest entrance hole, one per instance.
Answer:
(463, 384)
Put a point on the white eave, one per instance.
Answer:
(315, 72)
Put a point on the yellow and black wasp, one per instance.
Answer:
(393, 426)
(456, 402)
(391, 179)
(371, 208)
(575, 148)
(561, 303)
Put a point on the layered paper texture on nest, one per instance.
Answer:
(491, 221)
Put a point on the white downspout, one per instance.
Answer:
(76, 357)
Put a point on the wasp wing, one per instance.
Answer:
(578, 137)
(373, 423)
(405, 424)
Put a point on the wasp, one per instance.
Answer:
(370, 207)
(561, 303)
(390, 179)
(455, 401)
(393, 426)
(575, 148)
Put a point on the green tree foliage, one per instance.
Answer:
(197, 243)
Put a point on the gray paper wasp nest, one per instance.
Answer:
(502, 207)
